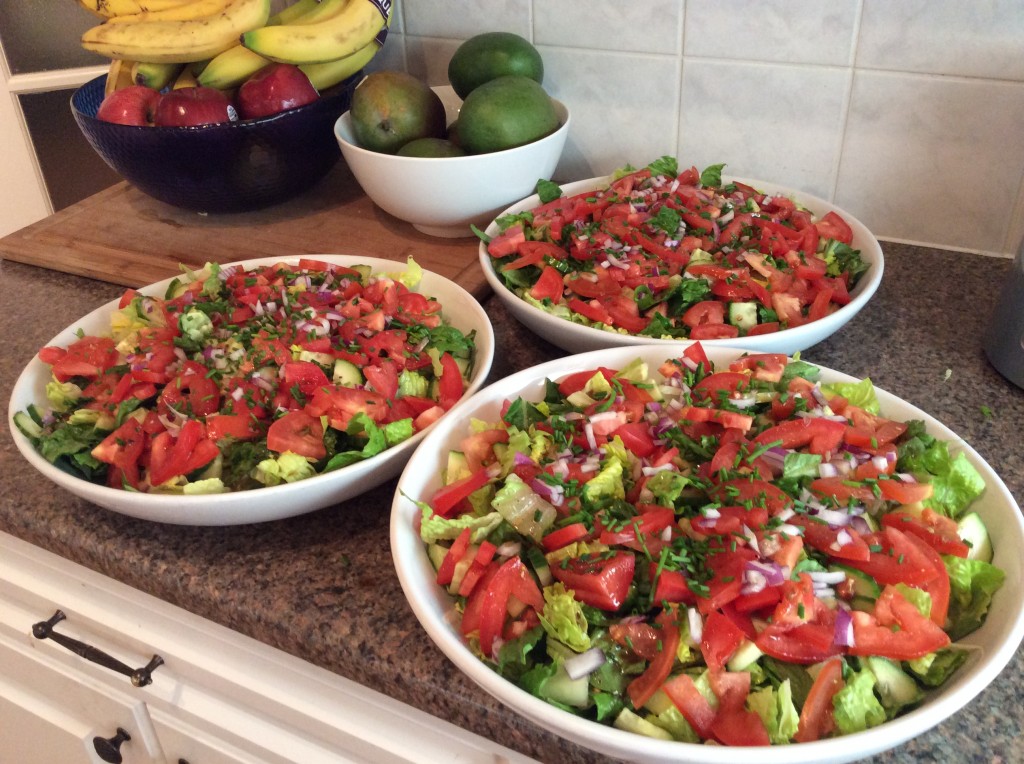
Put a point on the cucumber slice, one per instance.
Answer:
(346, 373)
(864, 586)
(27, 425)
(896, 688)
(743, 314)
(972, 530)
(745, 656)
(457, 467)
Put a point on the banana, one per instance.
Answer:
(182, 42)
(156, 76)
(331, 73)
(188, 12)
(325, 9)
(231, 68)
(185, 80)
(118, 76)
(235, 65)
(338, 36)
(293, 11)
(111, 8)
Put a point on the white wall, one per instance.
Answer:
(907, 113)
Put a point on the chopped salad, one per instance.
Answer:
(677, 255)
(739, 555)
(242, 378)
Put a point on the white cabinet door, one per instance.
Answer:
(51, 714)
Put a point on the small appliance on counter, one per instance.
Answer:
(1004, 342)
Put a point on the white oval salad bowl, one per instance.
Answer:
(459, 308)
(990, 647)
(577, 338)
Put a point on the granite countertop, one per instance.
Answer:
(322, 586)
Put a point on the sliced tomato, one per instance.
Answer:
(446, 570)
(564, 536)
(938, 531)
(299, 433)
(601, 581)
(549, 285)
(816, 714)
(694, 707)
(894, 559)
(642, 688)
(833, 226)
(820, 436)
(451, 385)
(914, 635)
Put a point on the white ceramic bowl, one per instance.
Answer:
(994, 644)
(444, 196)
(577, 338)
(261, 504)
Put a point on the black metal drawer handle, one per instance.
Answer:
(140, 676)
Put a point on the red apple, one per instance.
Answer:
(274, 89)
(193, 106)
(133, 105)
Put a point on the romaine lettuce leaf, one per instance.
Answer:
(971, 586)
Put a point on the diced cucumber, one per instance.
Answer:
(436, 553)
(346, 373)
(563, 689)
(972, 530)
(896, 688)
(658, 702)
(864, 586)
(35, 412)
(27, 425)
(324, 359)
(540, 565)
(631, 722)
(457, 467)
(746, 654)
(743, 314)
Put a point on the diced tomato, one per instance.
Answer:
(820, 436)
(598, 580)
(564, 536)
(447, 498)
(446, 571)
(938, 531)
(719, 639)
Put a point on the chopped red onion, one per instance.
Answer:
(827, 577)
(906, 477)
(772, 571)
(509, 549)
(584, 664)
(843, 537)
(828, 470)
(844, 628)
(860, 525)
(880, 463)
(833, 517)
(588, 430)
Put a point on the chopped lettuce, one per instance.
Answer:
(434, 528)
(777, 711)
(286, 467)
(934, 669)
(855, 707)
(62, 396)
(607, 482)
(563, 618)
(972, 583)
(861, 394)
(955, 481)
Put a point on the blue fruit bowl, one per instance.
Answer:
(229, 167)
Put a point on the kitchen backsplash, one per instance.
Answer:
(909, 114)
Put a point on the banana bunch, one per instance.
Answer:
(221, 43)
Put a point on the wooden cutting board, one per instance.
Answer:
(122, 236)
